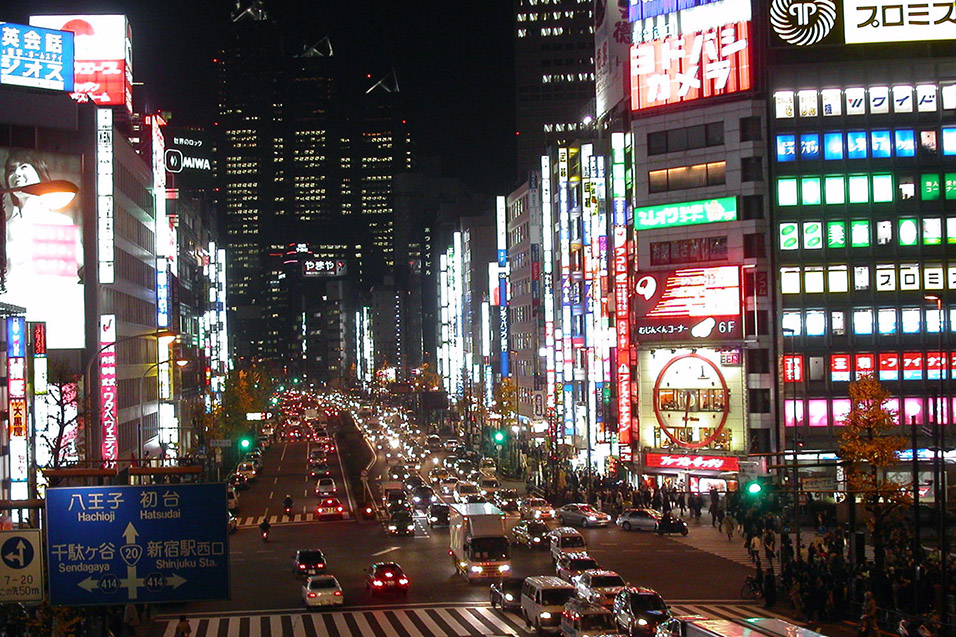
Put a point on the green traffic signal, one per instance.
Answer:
(498, 437)
(245, 443)
(754, 488)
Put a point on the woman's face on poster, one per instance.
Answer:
(22, 174)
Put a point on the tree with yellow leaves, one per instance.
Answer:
(869, 446)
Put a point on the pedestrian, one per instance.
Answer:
(183, 629)
(769, 588)
(681, 503)
(755, 546)
(728, 526)
(796, 598)
(868, 625)
(769, 545)
(713, 514)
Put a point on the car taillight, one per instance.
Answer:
(339, 509)
(302, 566)
(312, 595)
(338, 593)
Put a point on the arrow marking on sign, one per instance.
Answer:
(176, 580)
(130, 534)
(89, 584)
(17, 555)
(388, 550)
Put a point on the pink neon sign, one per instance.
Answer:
(108, 408)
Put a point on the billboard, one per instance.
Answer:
(44, 246)
(189, 157)
(682, 68)
(103, 72)
(109, 405)
(36, 57)
(686, 214)
(689, 400)
(612, 39)
(692, 304)
(806, 23)
(317, 268)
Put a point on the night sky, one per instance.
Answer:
(454, 61)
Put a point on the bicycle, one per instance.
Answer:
(750, 589)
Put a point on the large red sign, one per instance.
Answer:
(687, 67)
(792, 369)
(690, 462)
(693, 304)
(623, 377)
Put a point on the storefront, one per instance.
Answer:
(688, 472)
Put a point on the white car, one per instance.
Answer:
(325, 486)
(640, 519)
(322, 590)
(536, 509)
(598, 586)
(488, 486)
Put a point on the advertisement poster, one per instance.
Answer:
(44, 246)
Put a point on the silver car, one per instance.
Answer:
(599, 586)
(582, 514)
(640, 519)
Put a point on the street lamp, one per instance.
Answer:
(158, 334)
(180, 362)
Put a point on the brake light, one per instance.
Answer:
(312, 595)
(302, 566)
(338, 593)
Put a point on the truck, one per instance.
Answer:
(478, 545)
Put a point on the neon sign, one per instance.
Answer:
(109, 416)
(686, 214)
(683, 68)
(705, 463)
(689, 304)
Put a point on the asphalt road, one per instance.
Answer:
(262, 577)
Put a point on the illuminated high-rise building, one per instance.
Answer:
(554, 74)
(309, 157)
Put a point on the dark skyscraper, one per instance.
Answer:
(310, 152)
(554, 74)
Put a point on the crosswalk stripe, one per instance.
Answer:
(437, 621)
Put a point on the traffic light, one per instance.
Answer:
(754, 488)
(498, 436)
(245, 443)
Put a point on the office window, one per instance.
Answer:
(751, 169)
(832, 146)
(838, 323)
(911, 319)
(863, 321)
(886, 320)
(835, 189)
(790, 280)
(751, 129)
(791, 320)
(838, 279)
(813, 280)
(861, 277)
(787, 192)
(859, 188)
(816, 323)
(810, 191)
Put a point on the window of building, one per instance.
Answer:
(751, 169)
(751, 129)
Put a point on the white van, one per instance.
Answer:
(565, 539)
(232, 499)
(542, 599)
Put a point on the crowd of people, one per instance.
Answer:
(900, 597)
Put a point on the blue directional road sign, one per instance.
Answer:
(121, 544)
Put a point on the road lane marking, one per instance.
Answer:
(388, 550)
(285, 446)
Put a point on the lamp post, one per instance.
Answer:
(180, 362)
(87, 378)
(939, 466)
(796, 466)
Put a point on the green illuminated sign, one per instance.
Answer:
(908, 232)
(686, 214)
(950, 182)
(789, 236)
(836, 234)
(930, 190)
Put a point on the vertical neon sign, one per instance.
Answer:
(17, 397)
(501, 226)
(108, 408)
(621, 324)
(104, 194)
(565, 331)
(547, 244)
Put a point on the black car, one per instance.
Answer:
(531, 533)
(398, 472)
(238, 481)
(638, 611)
(438, 515)
(319, 470)
(506, 593)
(423, 496)
(400, 523)
(414, 482)
(308, 562)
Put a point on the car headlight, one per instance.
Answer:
(545, 615)
(410, 527)
(591, 518)
(476, 569)
(641, 621)
(392, 527)
(537, 539)
(509, 597)
(504, 568)
(416, 499)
